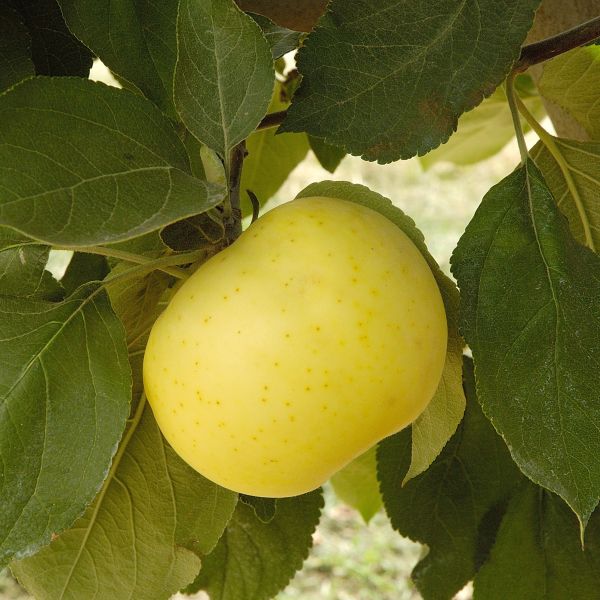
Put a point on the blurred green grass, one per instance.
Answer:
(351, 560)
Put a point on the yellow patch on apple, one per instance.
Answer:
(319, 332)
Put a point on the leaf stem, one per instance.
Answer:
(138, 259)
(511, 96)
(550, 143)
(137, 353)
(581, 34)
(233, 218)
(158, 264)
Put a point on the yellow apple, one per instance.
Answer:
(319, 332)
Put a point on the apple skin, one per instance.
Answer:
(319, 332)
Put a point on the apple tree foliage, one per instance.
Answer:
(499, 477)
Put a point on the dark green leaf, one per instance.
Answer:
(131, 541)
(65, 387)
(356, 485)
(15, 49)
(388, 80)
(531, 315)
(224, 75)
(195, 232)
(83, 268)
(538, 554)
(82, 164)
(254, 560)
(329, 156)
(149, 245)
(265, 509)
(438, 422)
(281, 39)
(271, 158)
(136, 40)
(300, 15)
(449, 506)
(23, 268)
(571, 81)
(578, 199)
(55, 51)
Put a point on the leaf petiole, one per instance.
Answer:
(512, 98)
(164, 263)
(548, 141)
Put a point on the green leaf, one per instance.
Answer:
(265, 509)
(328, 156)
(300, 15)
(388, 80)
(15, 49)
(224, 75)
(531, 316)
(357, 485)
(578, 199)
(83, 268)
(571, 81)
(483, 131)
(453, 506)
(538, 554)
(439, 420)
(131, 541)
(54, 49)
(281, 39)
(65, 387)
(135, 300)
(82, 164)
(136, 40)
(23, 268)
(254, 560)
(271, 158)
(149, 245)
(213, 166)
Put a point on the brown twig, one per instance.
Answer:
(233, 225)
(272, 120)
(532, 54)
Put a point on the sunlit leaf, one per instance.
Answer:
(580, 201)
(65, 386)
(131, 541)
(571, 80)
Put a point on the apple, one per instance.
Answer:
(319, 332)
